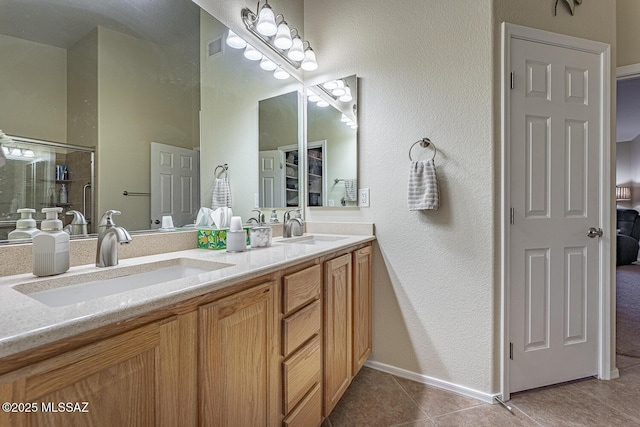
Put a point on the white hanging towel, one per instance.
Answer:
(351, 190)
(221, 195)
(423, 186)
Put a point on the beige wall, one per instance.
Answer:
(436, 276)
(82, 91)
(628, 16)
(135, 108)
(33, 84)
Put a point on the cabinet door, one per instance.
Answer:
(337, 330)
(239, 350)
(362, 341)
(142, 377)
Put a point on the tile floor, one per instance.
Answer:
(379, 399)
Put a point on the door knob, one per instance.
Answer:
(594, 232)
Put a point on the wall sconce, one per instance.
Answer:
(282, 40)
(623, 193)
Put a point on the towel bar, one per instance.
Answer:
(224, 168)
(424, 143)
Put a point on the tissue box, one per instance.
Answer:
(216, 239)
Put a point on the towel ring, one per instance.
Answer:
(224, 168)
(424, 143)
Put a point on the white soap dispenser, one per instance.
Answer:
(25, 226)
(50, 246)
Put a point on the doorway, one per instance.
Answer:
(628, 204)
(555, 188)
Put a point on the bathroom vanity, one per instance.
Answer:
(268, 337)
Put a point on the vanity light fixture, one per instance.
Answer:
(274, 32)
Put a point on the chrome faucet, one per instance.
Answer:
(289, 230)
(259, 218)
(109, 235)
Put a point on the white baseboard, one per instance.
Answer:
(444, 385)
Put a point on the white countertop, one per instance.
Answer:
(26, 323)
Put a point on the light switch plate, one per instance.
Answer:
(363, 197)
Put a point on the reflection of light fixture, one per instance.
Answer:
(337, 89)
(340, 88)
(313, 97)
(330, 85)
(278, 37)
(623, 192)
(322, 103)
(347, 95)
(235, 41)
(251, 53)
(280, 74)
(344, 118)
(267, 64)
(28, 153)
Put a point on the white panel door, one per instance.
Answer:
(555, 179)
(175, 181)
(271, 179)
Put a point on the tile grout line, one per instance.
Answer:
(535, 421)
(613, 408)
(429, 417)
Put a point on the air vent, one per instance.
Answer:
(215, 47)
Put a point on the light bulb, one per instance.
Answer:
(309, 62)
(330, 85)
(266, 21)
(347, 95)
(235, 41)
(314, 98)
(322, 103)
(296, 53)
(16, 152)
(267, 64)
(280, 74)
(29, 153)
(251, 53)
(339, 90)
(283, 37)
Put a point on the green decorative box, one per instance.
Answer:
(216, 239)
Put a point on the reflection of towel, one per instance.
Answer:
(423, 186)
(221, 195)
(351, 190)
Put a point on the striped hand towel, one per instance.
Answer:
(423, 186)
(351, 190)
(221, 195)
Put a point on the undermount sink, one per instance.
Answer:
(67, 290)
(311, 240)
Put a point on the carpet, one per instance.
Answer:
(628, 310)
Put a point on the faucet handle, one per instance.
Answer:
(287, 215)
(107, 219)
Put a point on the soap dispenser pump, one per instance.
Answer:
(25, 226)
(51, 246)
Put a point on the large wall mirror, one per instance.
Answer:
(117, 76)
(332, 143)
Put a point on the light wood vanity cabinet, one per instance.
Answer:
(141, 377)
(239, 359)
(280, 349)
(302, 347)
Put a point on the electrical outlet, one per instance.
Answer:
(256, 200)
(363, 197)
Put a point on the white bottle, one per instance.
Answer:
(63, 194)
(51, 246)
(25, 226)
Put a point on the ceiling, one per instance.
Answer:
(62, 23)
(628, 110)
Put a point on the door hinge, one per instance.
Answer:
(511, 350)
(512, 216)
(513, 78)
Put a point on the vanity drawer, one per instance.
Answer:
(300, 288)
(300, 326)
(300, 373)
(308, 413)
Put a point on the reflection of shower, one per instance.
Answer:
(87, 215)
